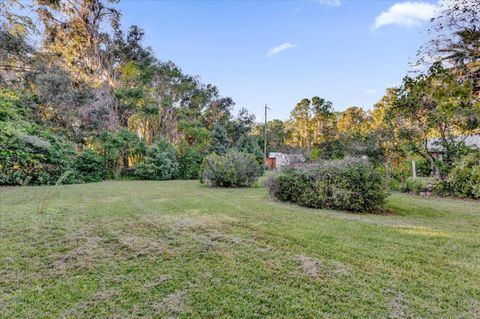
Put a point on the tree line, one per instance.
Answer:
(79, 79)
(78, 92)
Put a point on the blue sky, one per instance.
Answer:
(278, 52)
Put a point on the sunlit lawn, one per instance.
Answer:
(179, 249)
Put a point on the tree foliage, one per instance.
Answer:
(190, 161)
(436, 105)
(455, 39)
(160, 162)
(464, 179)
(219, 140)
(100, 88)
(28, 151)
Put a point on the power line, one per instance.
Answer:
(265, 134)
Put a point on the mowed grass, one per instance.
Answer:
(177, 249)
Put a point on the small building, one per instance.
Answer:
(276, 160)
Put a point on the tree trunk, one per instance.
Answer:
(434, 168)
(125, 161)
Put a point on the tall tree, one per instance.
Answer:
(323, 121)
(241, 126)
(384, 128)
(436, 105)
(248, 144)
(301, 125)
(354, 121)
(219, 108)
(80, 34)
(12, 20)
(277, 135)
(16, 51)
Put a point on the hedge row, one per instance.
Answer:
(350, 184)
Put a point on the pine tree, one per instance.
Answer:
(248, 144)
(219, 137)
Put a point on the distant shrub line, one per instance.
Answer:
(463, 180)
(31, 154)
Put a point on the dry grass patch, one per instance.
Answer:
(311, 266)
(172, 306)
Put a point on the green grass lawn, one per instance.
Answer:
(131, 249)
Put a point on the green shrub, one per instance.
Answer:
(314, 154)
(464, 178)
(349, 184)
(248, 144)
(117, 148)
(89, 167)
(394, 184)
(441, 188)
(423, 168)
(234, 169)
(190, 162)
(414, 185)
(29, 152)
(160, 163)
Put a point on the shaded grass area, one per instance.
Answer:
(177, 249)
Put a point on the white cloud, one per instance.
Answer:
(371, 91)
(282, 47)
(333, 3)
(407, 14)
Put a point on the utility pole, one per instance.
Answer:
(265, 134)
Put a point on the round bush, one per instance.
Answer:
(350, 184)
(159, 168)
(464, 179)
(234, 169)
(159, 164)
(89, 167)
